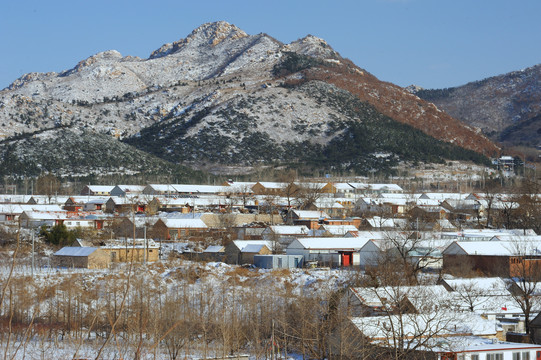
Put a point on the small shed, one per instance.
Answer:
(214, 253)
(243, 251)
(174, 229)
(82, 257)
(332, 251)
(251, 250)
(278, 261)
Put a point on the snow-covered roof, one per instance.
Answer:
(253, 248)
(408, 197)
(289, 229)
(131, 188)
(379, 222)
(446, 196)
(487, 233)
(311, 214)
(214, 249)
(19, 208)
(483, 295)
(83, 199)
(488, 286)
(241, 244)
(493, 248)
(100, 188)
(272, 185)
(97, 201)
(183, 223)
(477, 345)
(338, 229)
(131, 243)
(241, 184)
(75, 251)
(46, 215)
(191, 188)
(332, 243)
(372, 235)
(427, 202)
(328, 203)
(162, 188)
(343, 187)
(441, 324)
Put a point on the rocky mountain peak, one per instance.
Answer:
(101, 57)
(413, 88)
(33, 76)
(209, 34)
(216, 32)
(312, 46)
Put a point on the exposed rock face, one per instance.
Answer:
(222, 86)
(507, 107)
(208, 34)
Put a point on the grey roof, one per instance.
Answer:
(214, 249)
(252, 248)
(75, 251)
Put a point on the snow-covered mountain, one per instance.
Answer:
(506, 107)
(222, 97)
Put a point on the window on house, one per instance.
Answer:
(524, 355)
(475, 357)
(495, 356)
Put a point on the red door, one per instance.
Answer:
(346, 259)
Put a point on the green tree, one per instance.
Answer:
(59, 235)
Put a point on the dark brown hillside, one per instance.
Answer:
(395, 102)
(506, 107)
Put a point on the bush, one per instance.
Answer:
(59, 235)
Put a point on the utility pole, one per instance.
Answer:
(273, 357)
(145, 254)
(32, 254)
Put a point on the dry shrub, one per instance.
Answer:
(240, 271)
(157, 266)
(190, 274)
(281, 273)
(241, 276)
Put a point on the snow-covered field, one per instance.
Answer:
(168, 310)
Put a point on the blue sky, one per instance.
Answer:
(431, 43)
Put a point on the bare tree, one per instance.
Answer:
(490, 196)
(413, 253)
(290, 191)
(528, 214)
(525, 282)
(309, 193)
(408, 319)
(48, 184)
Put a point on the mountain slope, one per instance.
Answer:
(507, 107)
(79, 153)
(223, 97)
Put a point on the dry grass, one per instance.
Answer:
(281, 273)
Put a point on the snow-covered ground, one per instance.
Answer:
(154, 293)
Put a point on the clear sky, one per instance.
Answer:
(430, 43)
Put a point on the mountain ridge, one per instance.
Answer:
(507, 107)
(221, 84)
